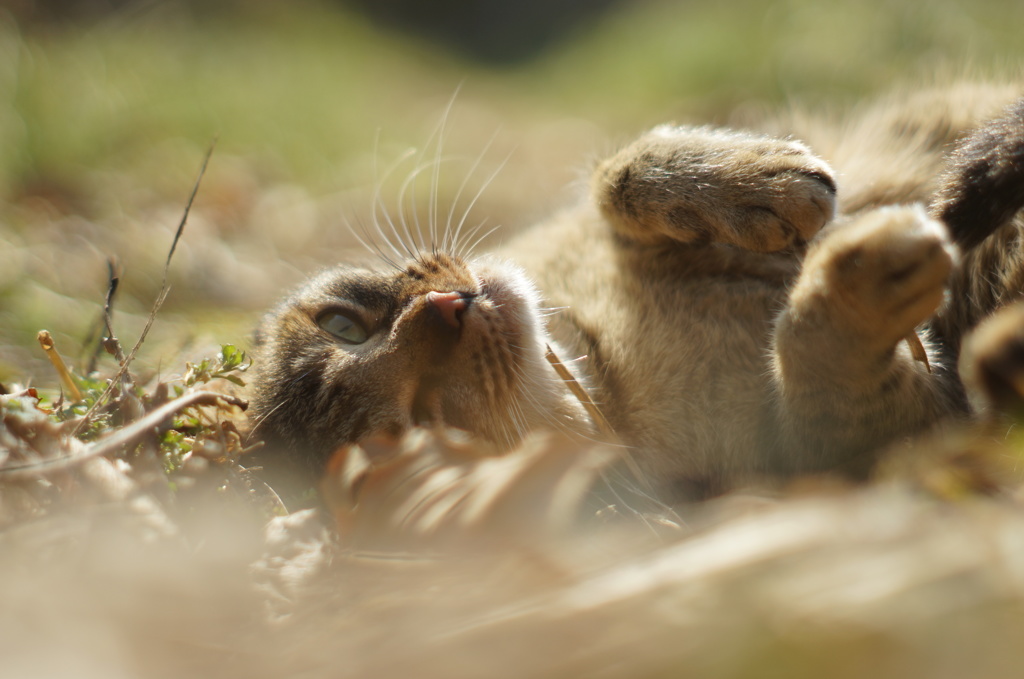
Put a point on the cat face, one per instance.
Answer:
(357, 352)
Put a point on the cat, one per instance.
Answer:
(737, 308)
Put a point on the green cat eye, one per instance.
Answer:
(343, 326)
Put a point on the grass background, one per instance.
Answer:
(103, 125)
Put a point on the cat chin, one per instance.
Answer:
(512, 294)
(544, 400)
(508, 286)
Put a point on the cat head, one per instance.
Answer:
(439, 340)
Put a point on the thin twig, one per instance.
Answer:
(595, 413)
(95, 337)
(125, 436)
(47, 343)
(114, 270)
(164, 289)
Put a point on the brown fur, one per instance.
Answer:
(719, 345)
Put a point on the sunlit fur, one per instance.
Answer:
(489, 375)
(738, 306)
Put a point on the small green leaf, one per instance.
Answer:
(234, 379)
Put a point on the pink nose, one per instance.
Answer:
(450, 305)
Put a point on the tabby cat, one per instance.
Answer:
(736, 305)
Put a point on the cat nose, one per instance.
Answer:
(450, 305)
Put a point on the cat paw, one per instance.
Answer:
(992, 360)
(701, 185)
(884, 272)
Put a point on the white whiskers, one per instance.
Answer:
(397, 232)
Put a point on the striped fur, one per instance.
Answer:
(736, 305)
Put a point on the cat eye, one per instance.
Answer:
(343, 326)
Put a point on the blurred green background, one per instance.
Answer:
(107, 108)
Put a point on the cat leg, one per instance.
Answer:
(980, 198)
(846, 384)
(992, 362)
(703, 185)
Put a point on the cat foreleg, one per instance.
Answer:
(704, 185)
(846, 384)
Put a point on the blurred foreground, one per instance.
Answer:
(432, 569)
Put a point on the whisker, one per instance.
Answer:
(473, 202)
(551, 310)
(518, 421)
(409, 188)
(436, 139)
(371, 244)
(260, 420)
(263, 418)
(451, 239)
(380, 209)
(435, 179)
(479, 240)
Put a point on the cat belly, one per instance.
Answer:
(676, 353)
(691, 386)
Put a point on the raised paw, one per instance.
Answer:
(992, 360)
(702, 185)
(881, 274)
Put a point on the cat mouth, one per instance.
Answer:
(431, 407)
(447, 311)
(426, 404)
